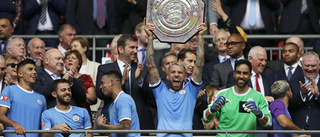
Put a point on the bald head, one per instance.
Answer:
(53, 61)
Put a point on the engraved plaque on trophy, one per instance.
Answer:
(175, 20)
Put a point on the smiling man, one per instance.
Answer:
(304, 106)
(176, 103)
(20, 106)
(36, 50)
(63, 116)
(53, 70)
(246, 106)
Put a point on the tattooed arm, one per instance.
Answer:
(197, 72)
(124, 124)
(152, 68)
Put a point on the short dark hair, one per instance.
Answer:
(166, 55)
(113, 75)
(78, 55)
(243, 61)
(23, 63)
(183, 53)
(10, 21)
(54, 85)
(291, 43)
(124, 38)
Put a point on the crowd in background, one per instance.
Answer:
(228, 21)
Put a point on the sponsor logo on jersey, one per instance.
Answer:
(182, 92)
(39, 102)
(75, 118)
(43, 124)
(5, 98)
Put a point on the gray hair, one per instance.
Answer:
(166, 55)
(254, 50)
(11, 42)
(63, 27)
(220, 30)
(309, 54)
(179, 64)
(279, 89)
(30, 43)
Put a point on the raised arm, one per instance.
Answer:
(152, 68)
(197, 72)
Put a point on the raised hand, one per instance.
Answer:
(125, 75)
(314, 88)
(252, 107)
(202, 28)
(201, 95)
(148, 28)
(139, 71)
(218, 103)
(101, 121)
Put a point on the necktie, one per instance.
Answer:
(3, 48)
(224, 59)
(309, 96)
(43, 14)
(304, 7)
(290, 73)
(257, 84)
(100, 13)
(127, 88)
(252, 13)
(143, 56)
(55, 76)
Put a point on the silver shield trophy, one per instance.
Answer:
(175, 20)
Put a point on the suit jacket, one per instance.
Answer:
(43, 86)
(299, 109)
(143, 97)
(290, 17)
(92, 70)
(207, 71)
(273, 66)
(132, 15)
(32, 10)
(220, 73)
(80, 15)
(238, 10)
(265, 81)
(281, 75)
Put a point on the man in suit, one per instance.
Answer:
(36, 50)
(6, 30)
(259, 82)
(2, 72)
(53, 69)
(220, 38)
(94, 17)
(255, 17)
(17, 47)
(44, 18)
(212, 18)
(304, 107)
(137, 85)
(66, 34)
(142, 42)
(235, 46)
(300, 17)
(290, 68)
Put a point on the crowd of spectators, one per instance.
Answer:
(182, 87)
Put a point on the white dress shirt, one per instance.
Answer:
(259, 22)
(286, 68)
(260, 81)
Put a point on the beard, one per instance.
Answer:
(62, 101)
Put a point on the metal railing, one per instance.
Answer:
(94, 38)
(176, 131)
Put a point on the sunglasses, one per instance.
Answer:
(13, 65)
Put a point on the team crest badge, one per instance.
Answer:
(5, 98)
(182, 92)
(39, 102)
(75, 118)
(250, 99)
